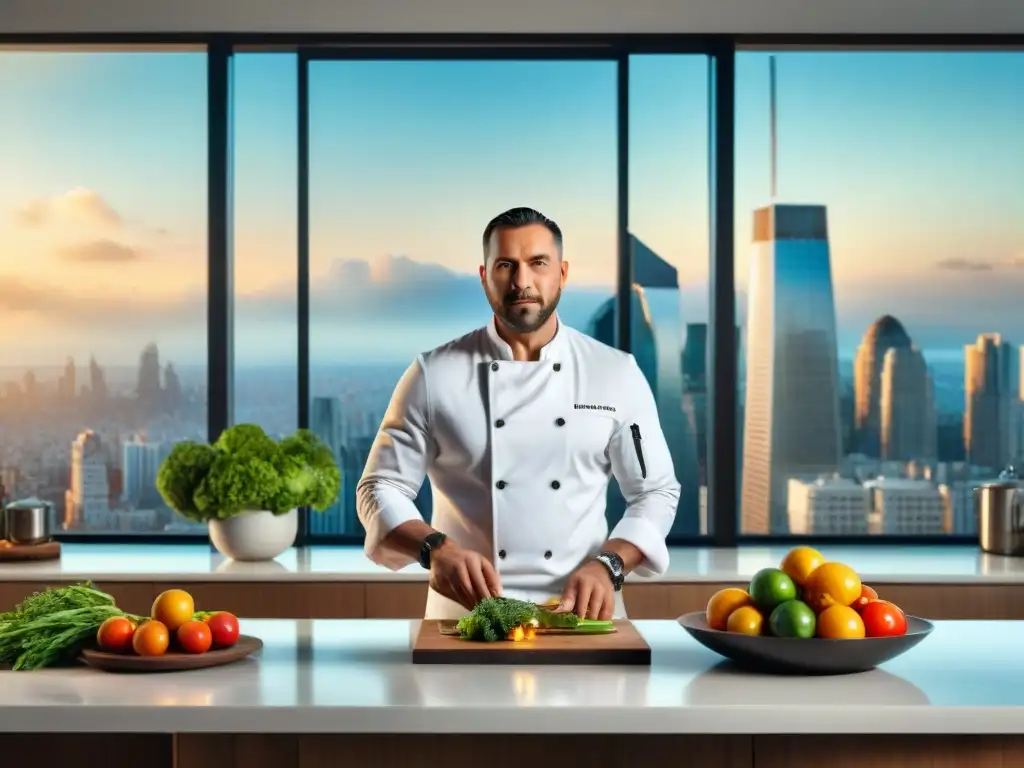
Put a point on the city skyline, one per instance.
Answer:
(118, 229)
(104, 237)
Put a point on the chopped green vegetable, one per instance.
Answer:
(245, 469)
(53, 625)
(492, 618)
(551, 620)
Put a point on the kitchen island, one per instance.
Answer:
(344, 693)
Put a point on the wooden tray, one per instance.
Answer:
(10, 553)
(623, 647)
(171, 662)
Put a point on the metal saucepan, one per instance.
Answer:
(29, 521)
(999, 509)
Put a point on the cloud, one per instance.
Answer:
(100, 252)
(100, 312)
(77, 206)
(980, 265)
(965, 265)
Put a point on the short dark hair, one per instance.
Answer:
(514, 218)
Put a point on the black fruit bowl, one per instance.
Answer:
(795, 656)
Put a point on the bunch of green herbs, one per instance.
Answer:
(52, 626)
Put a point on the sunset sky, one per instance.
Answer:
(919, 158)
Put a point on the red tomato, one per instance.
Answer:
(224, 628)
(883, 619)
(867, 594)
(115, 634)
(195, 637)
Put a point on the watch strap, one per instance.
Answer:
(616, 568)
(430, 542)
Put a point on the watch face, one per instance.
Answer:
(613, 561)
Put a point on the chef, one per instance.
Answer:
(519, 426)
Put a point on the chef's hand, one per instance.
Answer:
(462, 575)
(589, 593)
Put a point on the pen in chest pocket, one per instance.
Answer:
(637, 445)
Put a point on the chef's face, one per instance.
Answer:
(523, 276)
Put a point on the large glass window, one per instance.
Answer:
(265, 165)
(103, 205)
(409, 160)
(878, 263)
(670, 239)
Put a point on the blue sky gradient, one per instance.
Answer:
(918, 156)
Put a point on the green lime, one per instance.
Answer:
(793, 618)
(771, 587)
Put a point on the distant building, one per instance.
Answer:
(830, 506)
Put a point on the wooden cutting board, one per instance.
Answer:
(9, 552)
(624, 647)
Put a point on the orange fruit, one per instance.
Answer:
(831, 584)
(799, 563)
(173, 608)
(723, 603)
(151, 639)
(746, 620)
(840, 622)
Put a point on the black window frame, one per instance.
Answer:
(721, 50)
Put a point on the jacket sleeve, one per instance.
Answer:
(642, 465)
(396, 467)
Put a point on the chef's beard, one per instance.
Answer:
(525, 318)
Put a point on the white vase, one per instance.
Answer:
(255, 535)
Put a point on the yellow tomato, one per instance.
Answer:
(173, 608)
(799, 563)
(840, 622)
(723, 603)
(746, 620)
(831, 584)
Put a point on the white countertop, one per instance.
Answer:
(944, 564)
(355, 676)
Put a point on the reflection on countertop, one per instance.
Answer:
(937, 564)
(355, 676)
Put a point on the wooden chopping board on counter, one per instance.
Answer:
(436, 644)
(16, 553)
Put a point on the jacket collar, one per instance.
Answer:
(553, 350)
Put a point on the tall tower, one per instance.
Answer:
(89, 495)
(791, 426)
(656, 340)
(989, 390)
(908, 427)
(885, 333)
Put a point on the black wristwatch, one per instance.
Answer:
(616, 568)
(431, 542)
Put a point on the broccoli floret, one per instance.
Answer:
(492, 618)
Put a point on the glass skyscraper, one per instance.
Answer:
(792, 427)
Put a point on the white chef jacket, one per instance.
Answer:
(519, 456)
